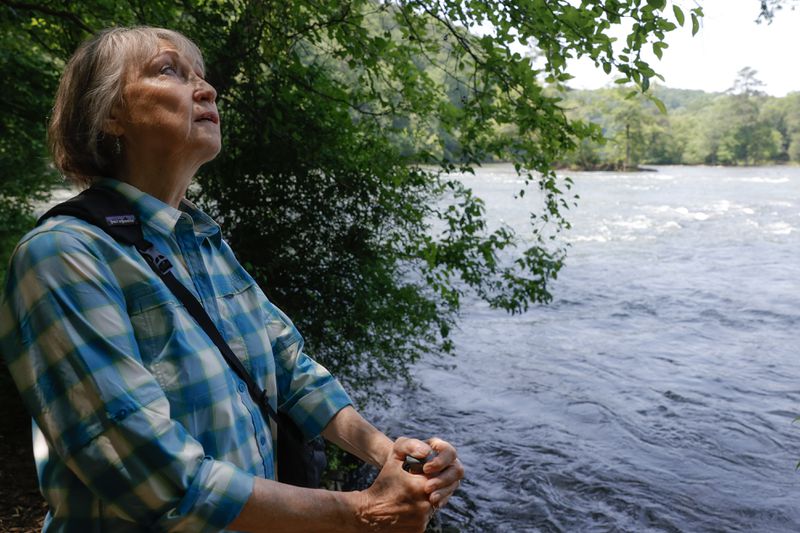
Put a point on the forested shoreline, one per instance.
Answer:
(742, 126)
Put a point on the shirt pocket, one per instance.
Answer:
(173, 347)
(151, 308)
(240, 305)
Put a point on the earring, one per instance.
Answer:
(117, 146)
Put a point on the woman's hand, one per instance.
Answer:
(444, 473)
(398, 501)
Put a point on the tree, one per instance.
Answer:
(783, 116)
(28, 78)
(634, 131)
(331, 109)
(745, 136)
(628, 121)
(663, 145)
(747, 83)
(793, 150)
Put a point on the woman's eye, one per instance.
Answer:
(168, 69)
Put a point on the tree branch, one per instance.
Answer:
(66, 15)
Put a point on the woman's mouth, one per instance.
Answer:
(208, 116)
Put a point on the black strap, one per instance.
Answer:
(112, 212)
(106, 209)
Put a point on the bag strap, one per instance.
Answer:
(112, 212)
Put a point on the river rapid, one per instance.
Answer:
(657, 392)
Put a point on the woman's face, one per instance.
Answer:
(169, 111)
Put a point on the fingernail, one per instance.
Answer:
(435, 498)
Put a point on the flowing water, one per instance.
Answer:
(657, 392)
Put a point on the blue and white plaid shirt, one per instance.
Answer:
(139, 423)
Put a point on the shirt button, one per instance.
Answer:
(263, 440)
(242, 387)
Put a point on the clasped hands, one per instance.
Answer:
(401, 501)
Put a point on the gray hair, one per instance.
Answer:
(90, 87)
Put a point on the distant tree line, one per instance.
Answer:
(742, 126)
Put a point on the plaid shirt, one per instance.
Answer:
(139, 423)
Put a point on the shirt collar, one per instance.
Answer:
(162, 217)
(204, 225)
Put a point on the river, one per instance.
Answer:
(657, 392)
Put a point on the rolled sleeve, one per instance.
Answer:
(215, 499)
(307, 392)
(314, 410)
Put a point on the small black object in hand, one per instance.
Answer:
(414, 466)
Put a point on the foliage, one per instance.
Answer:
(632, 128)
(770, 7)
(740, 127)
(342, 125)
(28, 78)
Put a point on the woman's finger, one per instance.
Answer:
(452, 475)
(446, 456)
(440, 497)
(416, 448)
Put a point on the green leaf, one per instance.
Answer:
(607, 67)
(659, 104)
(695, 25)
(658, 50)
(668, 26)
(678, 14)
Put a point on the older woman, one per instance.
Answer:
(139, 423)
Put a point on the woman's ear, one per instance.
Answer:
(112, 125)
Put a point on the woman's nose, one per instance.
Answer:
(205, 91)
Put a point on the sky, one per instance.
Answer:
(728, 40)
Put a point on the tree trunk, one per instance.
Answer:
(627, 147)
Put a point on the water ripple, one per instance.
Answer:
(658, 391)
